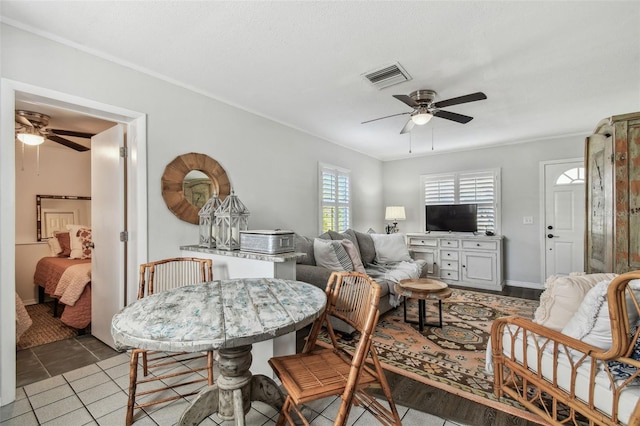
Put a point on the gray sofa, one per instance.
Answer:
(385, 274)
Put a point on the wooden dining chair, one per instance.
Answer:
(156, 277)
(318, 373)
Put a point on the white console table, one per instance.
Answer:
(460, 259)
(231, 264)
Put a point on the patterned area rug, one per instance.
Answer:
(45, 328)
(451, 358)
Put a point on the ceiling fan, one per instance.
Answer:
(31, 128)
(424, 108)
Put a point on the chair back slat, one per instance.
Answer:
(166, 274)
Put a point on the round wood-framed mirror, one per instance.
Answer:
(185, 187)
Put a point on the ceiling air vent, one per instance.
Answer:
(387, 76)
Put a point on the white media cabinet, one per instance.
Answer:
(461, 259)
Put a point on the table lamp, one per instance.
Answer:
(394, 214)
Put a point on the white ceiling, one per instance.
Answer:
(548, 68)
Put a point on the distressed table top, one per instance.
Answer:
(217, 314)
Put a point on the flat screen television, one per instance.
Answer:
(452, 217)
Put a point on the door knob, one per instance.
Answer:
(549, 227)
(550, 236)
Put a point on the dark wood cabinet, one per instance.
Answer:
(612, 161)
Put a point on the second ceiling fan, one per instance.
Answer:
(35, 124)
(424, 108)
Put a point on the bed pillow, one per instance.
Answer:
(562, 297)
(354, 255)
(390, 248)
(331, 255)
(65, 243)
(81, 241)
(591, 322)
(54, 246)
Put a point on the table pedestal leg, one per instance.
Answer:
(234, 390)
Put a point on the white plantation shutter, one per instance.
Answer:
(479, 187)
(335, 199)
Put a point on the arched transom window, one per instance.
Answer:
(571, 177)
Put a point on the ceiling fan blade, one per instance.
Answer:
(407, 100)
(20, 119)
(67, 143)
(382, 118)
(478, 96)
(453, 116)
(71, 133)
(407, 127)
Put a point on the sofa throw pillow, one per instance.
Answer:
(65, 243)
(390, 248)
(331, 255)
(591, 322)
(354, 255)
(367, 249)
(562, 297)
(78, 241)
(304, 245)
(621, 371)
(349, 234)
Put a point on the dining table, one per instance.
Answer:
(227, 316)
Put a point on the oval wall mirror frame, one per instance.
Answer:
(175, 184)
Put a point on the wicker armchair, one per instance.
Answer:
(567, 381)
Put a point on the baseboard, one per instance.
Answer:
(524, 284)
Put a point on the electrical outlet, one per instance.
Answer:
(527, 220)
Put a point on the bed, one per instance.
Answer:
(66, 277)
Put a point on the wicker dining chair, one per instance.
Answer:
(156, 277)
(321, 372)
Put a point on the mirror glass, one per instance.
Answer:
(197, 188)
(55, 212)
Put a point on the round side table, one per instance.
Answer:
(423, 289)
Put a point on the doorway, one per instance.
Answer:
(135, 193)
(563, 213)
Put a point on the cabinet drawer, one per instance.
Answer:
(448, 255)
(449, 243)
(449, 265)
(484, 245)
(425, 242)
(449, 275)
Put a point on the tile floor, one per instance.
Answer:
(96, 394)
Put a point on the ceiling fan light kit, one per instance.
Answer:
(30, 136)
(422, 101)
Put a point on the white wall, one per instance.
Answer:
(272, 168)
(519, 165)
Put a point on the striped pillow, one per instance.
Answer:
(331, 254)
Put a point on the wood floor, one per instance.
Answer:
(416, 395)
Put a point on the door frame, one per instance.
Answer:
(136, 201)
(543, 210)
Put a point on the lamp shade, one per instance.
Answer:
(395, 213)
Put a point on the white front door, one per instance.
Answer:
(107, 222)
(564, 217)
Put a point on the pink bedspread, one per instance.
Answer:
(49, 271)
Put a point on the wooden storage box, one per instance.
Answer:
(267, 241)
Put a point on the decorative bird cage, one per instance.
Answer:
(207, 216)
(230, 218)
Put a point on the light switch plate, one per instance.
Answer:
(527, 220)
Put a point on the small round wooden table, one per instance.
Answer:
(423, 289)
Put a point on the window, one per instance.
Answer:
(573, 176)
(481, 187)
(335, 199)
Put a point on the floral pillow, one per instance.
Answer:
(622, 371)
(81, 242)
